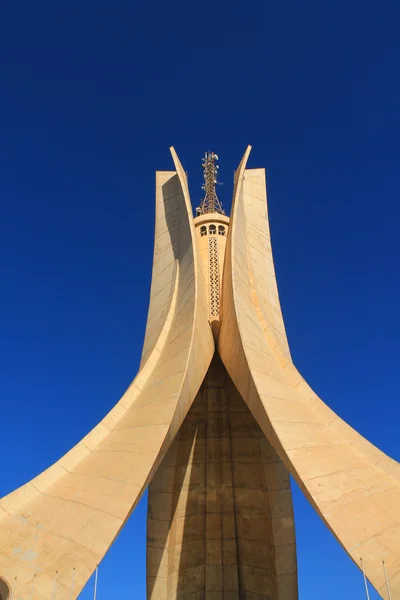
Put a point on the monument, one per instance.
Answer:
(215, 420)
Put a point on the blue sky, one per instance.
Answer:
(91, 97)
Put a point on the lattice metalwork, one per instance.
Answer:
(210, 202)
(214, 276)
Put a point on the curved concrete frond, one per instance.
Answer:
(354, 487)
(67, 517)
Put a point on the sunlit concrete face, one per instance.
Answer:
(215, 420)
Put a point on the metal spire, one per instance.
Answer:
(210, 202)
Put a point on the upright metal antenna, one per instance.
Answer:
(386, 581)
(95, 583)
(54, 586)
(14, 585)
(365, 579)
(33, 587)
(210, 202)
(71, 594)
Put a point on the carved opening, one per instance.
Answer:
(203, 230)
(214, 276)
(212, 230)
(221, 230)
(4, 590)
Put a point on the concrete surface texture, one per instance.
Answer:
(215, 420)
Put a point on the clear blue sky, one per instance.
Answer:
(90, 100)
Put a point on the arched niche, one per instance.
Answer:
(4, 590)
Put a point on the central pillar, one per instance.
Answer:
(211, 532)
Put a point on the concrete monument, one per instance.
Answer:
(215, 420)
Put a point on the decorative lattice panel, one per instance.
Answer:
(214, 276)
